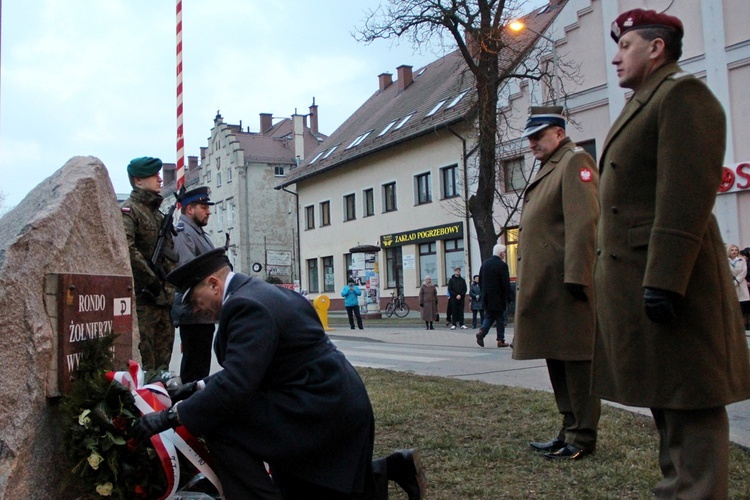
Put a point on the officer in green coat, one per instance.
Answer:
(153, 298)
(670, 335)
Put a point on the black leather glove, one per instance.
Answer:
(154, 423)
(154, 288)
(660, 305)
(179, 391)
(577, 291)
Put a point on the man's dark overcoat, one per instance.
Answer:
(556, 245)
(660, 170)
(494, 280)
(285, 394)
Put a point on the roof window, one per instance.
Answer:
(387, 128)
(331, 151)
(434, 110)
(456, 99)
(358, 140)
(403, 121)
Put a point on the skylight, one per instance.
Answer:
(358, 140)
(387, 128)
(403, 121)
(456, 99)
(316, 157)
(331, 151)
(437, 106)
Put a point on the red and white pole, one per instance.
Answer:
(180, 137)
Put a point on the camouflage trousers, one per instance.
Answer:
(157, 336)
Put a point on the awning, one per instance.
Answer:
(364, 249)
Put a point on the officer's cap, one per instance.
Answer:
(639, 19)
(143, 167)
(541, 117)
(195, 270)
(197, 195)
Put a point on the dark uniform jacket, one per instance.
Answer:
(660, 170)
(142, 219)
(494, 280)
(190, 242)
(556, 245)
(285, 394)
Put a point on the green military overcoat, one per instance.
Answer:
(660, 169)
(556, 245)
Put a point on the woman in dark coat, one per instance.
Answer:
(428, 302)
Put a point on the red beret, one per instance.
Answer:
(639, 18)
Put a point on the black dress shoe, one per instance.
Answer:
(480, 339)
(569, 452)
(549, 446)
(405, 468)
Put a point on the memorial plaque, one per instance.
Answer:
(88, 307)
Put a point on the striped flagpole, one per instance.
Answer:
(180, 136)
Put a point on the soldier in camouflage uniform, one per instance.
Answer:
(153, 299)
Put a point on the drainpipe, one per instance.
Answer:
(466, 200)
(299, 250)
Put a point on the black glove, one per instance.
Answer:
(154, 288)
(660, 305)
(421, 304)
(154, 423)
(179, 391)
(577, 291)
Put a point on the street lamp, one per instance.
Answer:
(519, 26)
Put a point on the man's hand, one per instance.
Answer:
(660, 305)
(577, 291)
(179, 391)
(152, 423)
(154, 287)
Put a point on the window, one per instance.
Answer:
(328, 277)
(219, 209)
(403, 121)
(454, 257)
(422, 188)
(218, 162)
(387, 128)
(208, 176)
(317, 156)
(456, 100)
(428, 261)
(218, 179)
(369, 202)
(229, 175)
(511, 243)
(434, 110)
(325, 213)
(393, 268)
(449, 180)
(330, 151)
(278, 171)
(312, 276)
(514, 175)
(348, 266)
(230, 212)
(310, 217)
(389, 197)
(589, 146)
(359, 139)
(350, 211)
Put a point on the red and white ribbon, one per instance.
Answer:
(154, 397)
(180, 137)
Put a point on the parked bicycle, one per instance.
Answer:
(397, 305)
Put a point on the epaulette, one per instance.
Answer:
(125, 210)
(180, 227)
(578, 149)
(679, 75)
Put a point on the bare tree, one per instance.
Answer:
(492, 56)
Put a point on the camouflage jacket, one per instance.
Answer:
(142, 219)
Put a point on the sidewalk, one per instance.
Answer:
(411, 331)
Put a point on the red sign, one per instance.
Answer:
(735, 178)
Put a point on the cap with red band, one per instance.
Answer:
(639, 19)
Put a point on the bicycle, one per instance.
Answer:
(397, 305)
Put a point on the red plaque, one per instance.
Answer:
(91, 306)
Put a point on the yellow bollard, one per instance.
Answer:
(321, 304)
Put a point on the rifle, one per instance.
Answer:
(164, 230)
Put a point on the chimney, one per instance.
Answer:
(314, 118)
(266, 121)
(384, 80)
(298, 124)
(192, 163)
(203, 152)
(404, 77)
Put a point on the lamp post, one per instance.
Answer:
(519, 26)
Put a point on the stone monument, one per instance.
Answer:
(70, 224)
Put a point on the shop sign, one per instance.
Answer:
(444, 232)
(735, 178)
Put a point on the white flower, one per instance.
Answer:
(83, 418)
(94, 460)
(105, 489)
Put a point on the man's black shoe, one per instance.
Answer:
(549, 446)
(569, 452)
(480, 339)
(405, 468)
